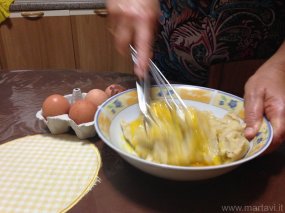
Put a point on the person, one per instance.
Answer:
(185, 37)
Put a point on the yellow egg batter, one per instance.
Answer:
(197, 139)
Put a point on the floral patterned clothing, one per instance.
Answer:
(194, 34)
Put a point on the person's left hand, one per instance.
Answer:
(265, 94)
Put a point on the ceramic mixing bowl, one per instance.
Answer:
(124, 106)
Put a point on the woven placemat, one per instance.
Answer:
(46, 173)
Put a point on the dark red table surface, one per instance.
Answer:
(258, 184)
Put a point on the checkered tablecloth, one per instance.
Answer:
(46, 173)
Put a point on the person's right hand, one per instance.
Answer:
(134, 22)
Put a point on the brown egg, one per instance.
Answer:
(82, 111)
(114, 89)
(55, 105)
(96, 96)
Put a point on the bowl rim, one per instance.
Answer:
(175, 167)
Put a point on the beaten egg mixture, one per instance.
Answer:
(196, 139)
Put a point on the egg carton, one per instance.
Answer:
(62, 123)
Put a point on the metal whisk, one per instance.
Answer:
(170, 96)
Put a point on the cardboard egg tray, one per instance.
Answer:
(62, 123)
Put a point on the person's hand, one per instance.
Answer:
(134, 22)
(265, 94)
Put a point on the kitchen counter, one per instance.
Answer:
(31, 5)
